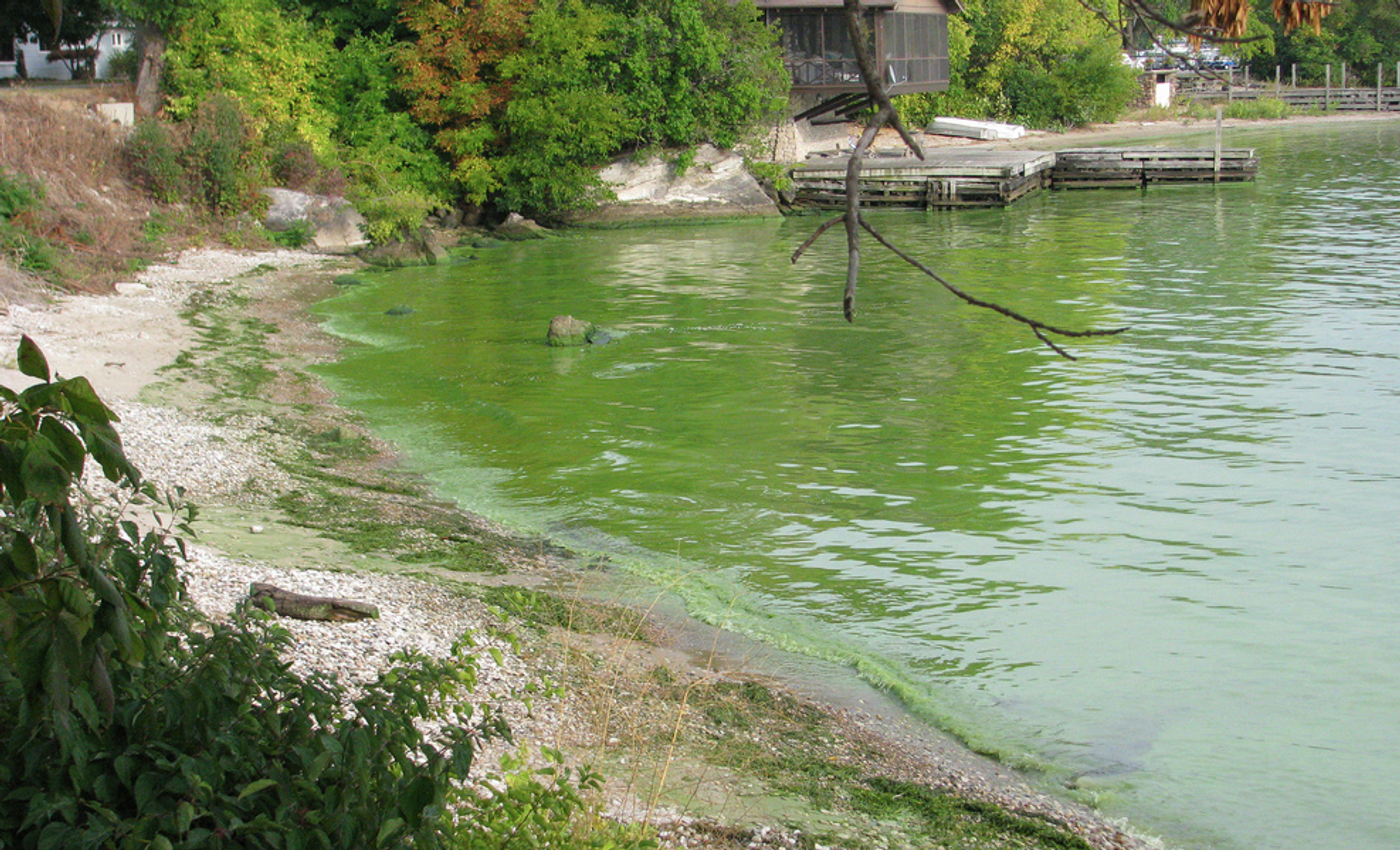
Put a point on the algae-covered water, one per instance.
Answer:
(1168, 573)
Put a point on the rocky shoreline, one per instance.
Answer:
(125, 345)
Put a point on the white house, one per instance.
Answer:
(109, 43)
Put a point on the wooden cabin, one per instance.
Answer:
(911, 44)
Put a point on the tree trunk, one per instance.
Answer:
(287, 604)
(150, 46)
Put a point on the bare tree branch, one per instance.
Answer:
(887, 115)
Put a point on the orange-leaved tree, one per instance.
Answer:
(452, 76)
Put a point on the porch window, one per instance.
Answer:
(916, 50)
(817, 48)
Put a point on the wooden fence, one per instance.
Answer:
(1344, 95)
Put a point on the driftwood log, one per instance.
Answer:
(285, 603)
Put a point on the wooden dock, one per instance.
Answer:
(964, 177)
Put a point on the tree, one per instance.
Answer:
(452, 74)
(154, 19)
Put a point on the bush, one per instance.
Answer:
(1091, 84)
(124, 65)
(1264, 107)
(220, 161)
(153, 155)
(18, 194)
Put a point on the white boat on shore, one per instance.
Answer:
(966, 128)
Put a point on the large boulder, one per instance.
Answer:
(715, 185)
(335, 225)
(419, 249)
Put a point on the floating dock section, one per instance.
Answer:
(987, 178)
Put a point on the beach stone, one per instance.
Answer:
(517, 228)
(420, 249)
(568, 331)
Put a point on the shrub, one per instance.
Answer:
(153, 155)
(124, 65)
(219, 159)
(1264, 107)
(18, 194)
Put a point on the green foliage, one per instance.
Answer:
(560, 119)
(697, 70)
(220, 161)
(71, 602)
(153, 155)
(1264, 107)
(539, 807)
(18, 196)
(527, 99)
(775, 174)
(257, 55)
(451, 74)
(124, 65)
(395, 174)
(391, 213)
(297, 234)
(1090, 84)
(1048, 63)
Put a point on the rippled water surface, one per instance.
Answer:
(1167, 573)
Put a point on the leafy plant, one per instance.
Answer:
(219, 160)
(153, 154)
(18, 194)
(539, 807)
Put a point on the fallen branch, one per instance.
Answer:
(298, 606)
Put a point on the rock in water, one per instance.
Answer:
(517, 228)
(566, 330)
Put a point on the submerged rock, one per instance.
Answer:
(567, 331)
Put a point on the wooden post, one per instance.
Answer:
(1278, 81)
(1327, 92)
(1380, 73)
(1295, 73)
(1219, 131)
(1344, 77)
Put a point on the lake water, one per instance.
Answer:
(1167, 575)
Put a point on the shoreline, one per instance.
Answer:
(126, 345)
